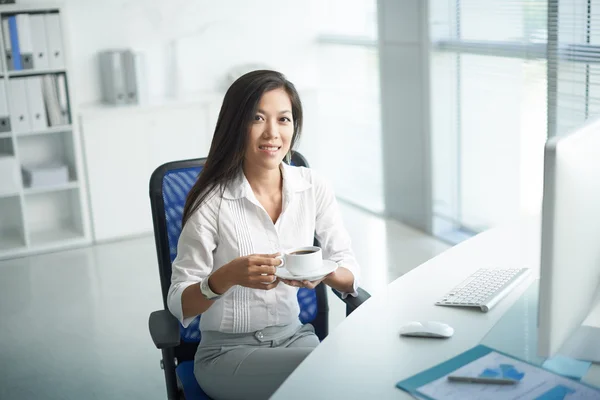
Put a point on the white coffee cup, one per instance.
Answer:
(302, 260)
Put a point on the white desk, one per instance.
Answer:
(365, 357)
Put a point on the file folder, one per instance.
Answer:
(7, 46)
(19, 113)
(63, 98)
(25, 46)
(55, 45)
(482, 361)
(39, 42)
(130, 77)
(113, 77)
(14, 43)
(140, 77)
(4, 116)
(51, 100)
(35, 101)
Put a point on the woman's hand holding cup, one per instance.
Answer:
(255, 271)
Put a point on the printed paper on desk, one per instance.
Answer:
(533, 382)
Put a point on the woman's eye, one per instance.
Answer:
(258, 118)
(286, 119)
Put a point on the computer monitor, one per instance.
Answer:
(570, 255)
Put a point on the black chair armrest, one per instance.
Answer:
(352, 303)
(164, 329)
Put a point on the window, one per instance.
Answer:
(347, 146)
(574, 63)
(505, 76)
(488, 94)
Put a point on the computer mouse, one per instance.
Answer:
(430, 329)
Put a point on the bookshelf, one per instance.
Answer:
(34, 72)
(51, 216)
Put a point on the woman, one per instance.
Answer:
(246, 207)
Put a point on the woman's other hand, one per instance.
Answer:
(304, 284)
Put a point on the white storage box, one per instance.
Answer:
(45, 175)
(9, 174)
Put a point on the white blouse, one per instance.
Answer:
(236, 225)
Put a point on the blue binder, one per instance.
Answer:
(14, 43)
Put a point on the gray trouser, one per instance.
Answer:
(251, 365)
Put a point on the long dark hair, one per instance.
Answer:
(228, 146)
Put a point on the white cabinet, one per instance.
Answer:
(124, 145)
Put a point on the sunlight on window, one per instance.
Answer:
(488, 112)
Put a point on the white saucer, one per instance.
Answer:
(327, 268)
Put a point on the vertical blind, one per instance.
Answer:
(488, 94)
(506, 74)
(573, 63)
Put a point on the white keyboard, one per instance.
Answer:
(484, 289)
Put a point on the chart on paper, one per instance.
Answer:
(532, 382)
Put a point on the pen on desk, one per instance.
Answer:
(477, 379)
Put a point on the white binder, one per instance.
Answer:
(19, 112)
(39, 42)
(25, 46)
(131, 91)
(141, 77)
(63, 98)
(4, 117)
(35, 100)
(7, 45)
(113, 77)
(51, 100)
(55, 44)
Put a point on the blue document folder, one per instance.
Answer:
(14, 42)
(531, 381)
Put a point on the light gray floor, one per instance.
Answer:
(74, 324)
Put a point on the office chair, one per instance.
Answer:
(169, 186)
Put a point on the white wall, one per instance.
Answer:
(208, 38)
(212, 36)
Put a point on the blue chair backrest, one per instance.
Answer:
(176, 185)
